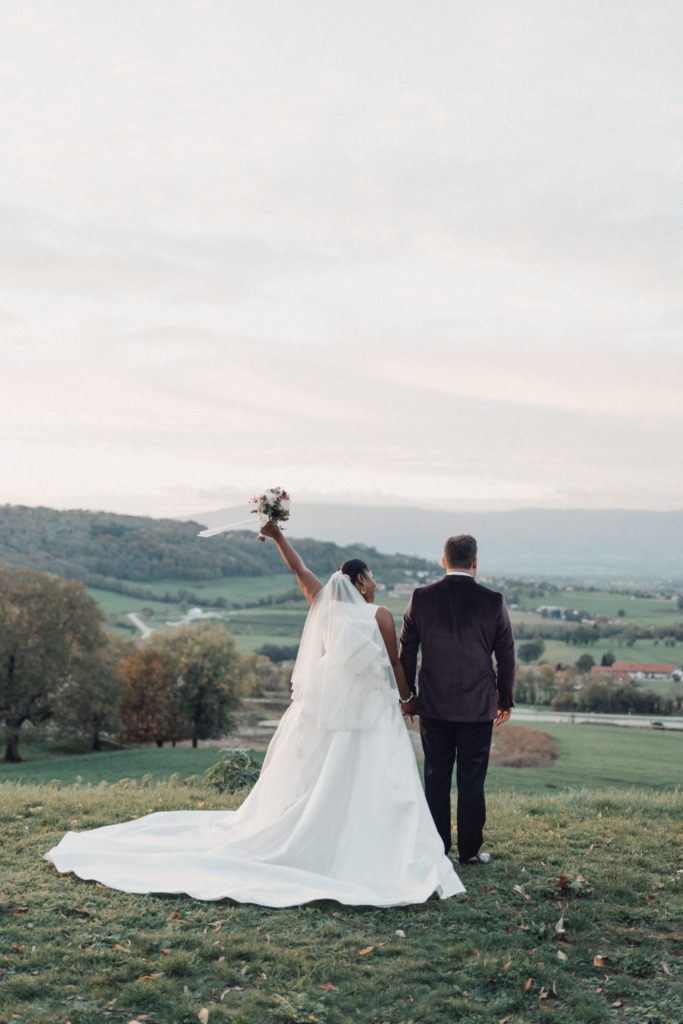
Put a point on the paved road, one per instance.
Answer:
(521, 714)
(567, 718)
(137, 621)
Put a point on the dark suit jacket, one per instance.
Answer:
(459, 625)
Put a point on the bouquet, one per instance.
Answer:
(272, 505)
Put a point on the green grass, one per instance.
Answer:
(646, 610)
(72, 952)
(111, 766)
(235, 589)
(643, 650)
(595, 756)
(591, 757)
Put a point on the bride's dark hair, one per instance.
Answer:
(353, 568)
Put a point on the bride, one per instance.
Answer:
(338, 811)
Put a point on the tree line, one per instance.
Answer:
(58, 665)
(573, 690)
(102, 549)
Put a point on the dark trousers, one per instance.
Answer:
(465, 745)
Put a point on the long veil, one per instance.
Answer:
(342, 674)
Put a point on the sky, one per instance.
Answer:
(421, 253)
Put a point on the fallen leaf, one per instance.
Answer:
(564, 881)
(528, 983)
(19, 947)
(506, 966)
(166, 952)
(327, 986)
(364, 952)
(18, 910)
(233, 988)
(561, 955)
(151, 977)
(617, 1003)
(559, 928)
(665, 968)
(598, 961)
(98, 885)
(401, 934)
(203, 1016)
(118, 948)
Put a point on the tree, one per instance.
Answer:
(47, 627)
(88, 701)
(531, 650)
(585, 663)
(279, 652)
(151, 709)
(608, 659)
(260, 674)
(209, 675)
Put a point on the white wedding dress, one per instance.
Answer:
(338, 811)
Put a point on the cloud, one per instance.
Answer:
(364, 249)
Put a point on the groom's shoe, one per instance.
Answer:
(479, 858)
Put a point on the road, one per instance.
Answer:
(521, 714)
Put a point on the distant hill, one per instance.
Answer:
(101, 548)
(619, 544)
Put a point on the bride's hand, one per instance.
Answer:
(409, 709)
(269, 529)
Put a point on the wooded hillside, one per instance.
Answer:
(99, 547)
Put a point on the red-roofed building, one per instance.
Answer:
(627, 671)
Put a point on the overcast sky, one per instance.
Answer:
(422, 252)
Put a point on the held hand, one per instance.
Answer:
(502, 716)
(409, 709)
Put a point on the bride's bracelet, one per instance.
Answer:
(407, 700)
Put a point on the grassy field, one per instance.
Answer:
(254, 627)
(591, 757)
(642, 650)
(573, 921)
(235, 589)
(646, 610)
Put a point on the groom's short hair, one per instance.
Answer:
(459, 552)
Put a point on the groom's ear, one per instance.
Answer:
(443, 561)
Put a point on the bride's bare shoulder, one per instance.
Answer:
(384, 616)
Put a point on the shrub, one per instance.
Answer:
(235, 769)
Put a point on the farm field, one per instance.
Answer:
(556, 651)
(282, 624)
(648, 611)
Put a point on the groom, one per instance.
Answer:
(459, 625)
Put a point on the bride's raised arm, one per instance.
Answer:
(307, 580)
